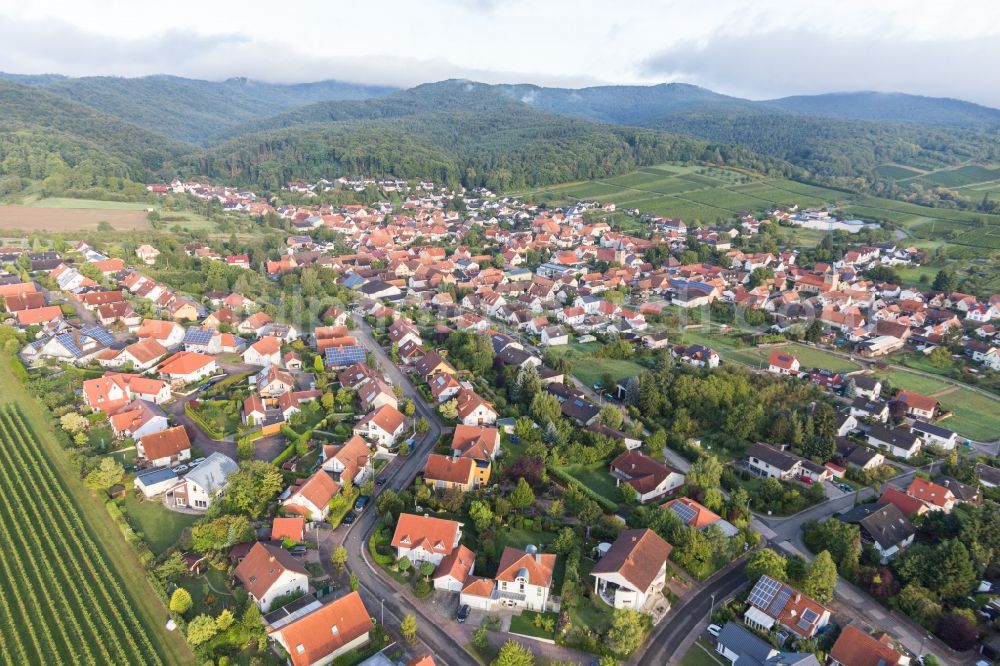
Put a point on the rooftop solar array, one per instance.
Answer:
(764, 591)
(683, 511)
(344, 356)
(779, 602)
(198, 336)
(67, 341)
(99, 334)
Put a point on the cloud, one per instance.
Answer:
(788, 62)
(75, 52)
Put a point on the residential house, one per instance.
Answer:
(480, 444)
(553, 336)
(524, 578)
(854, 647)
(269, 572)
(384, 426)
(137, 419)
(376, 393)
(783, 363)
(632, 573)
(264, 352)
(348, 461)
(883, 525)
(320, 636)
(970, 494)
(186, 367)
(773, 602)
(472, 409)
(908, 505)
(454, 569)
(934, 435)
(696, 355)
(866, 408)
(312, 497)
(696, 515)
(648, 477)
(425, 538)
(867, 386)
(934, 497)
(112, 391)
(740, 645)
(900, 442)
(201, 485)
(273, 382)
(443, 472)
(165, 448)
(291, 529)
(167, 333)
(918, 406)
(154, 480)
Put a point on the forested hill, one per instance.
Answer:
(892, 107)
(189, 109)
(455, 132)
(42, 134)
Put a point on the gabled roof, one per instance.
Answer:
(448, 469)
(692, 513)
(908, 505)
(929, 492)
(387, 418)
(637, 556)
(642, 472)
(856, 648)
(435, 535)
(318, 489)
(166, 443)
(264, 565)
(313, 637)
(536, 568)
(478, 442)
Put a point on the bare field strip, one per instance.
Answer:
(27, 218)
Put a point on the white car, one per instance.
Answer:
(180, 469)
(714, 629)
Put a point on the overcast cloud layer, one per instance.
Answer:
(760, 49)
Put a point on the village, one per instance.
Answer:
(488, 418)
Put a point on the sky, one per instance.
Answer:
(760, 49)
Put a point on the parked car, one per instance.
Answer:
(197, 461)
(298, 550)
(180, 469)
(361, 503)
(714, 629)
(380, 481)
(463, 613)
(806, 480)
(349, 519)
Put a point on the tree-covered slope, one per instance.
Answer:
(41, 132)
(456, 132)
(193, 110)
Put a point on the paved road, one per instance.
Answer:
(376, 588)
(684, 621)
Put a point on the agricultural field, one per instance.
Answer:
(91, 204)
(74, 563)
(62, 601)
(29, 218)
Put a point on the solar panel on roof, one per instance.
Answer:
(763, 592)
(67, 341)
(346, 355)
(683, 511)
(198, 336)
(779, 601)
(809, 615)
(803, 624)
(99, 334)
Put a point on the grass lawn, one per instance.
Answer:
(595, 477)
(901, 379)
(525, 624)
(160, 526)
(151, 612)
(811, 357)
(700, 654)
(209, 592)
(589, 369)
(520, 538)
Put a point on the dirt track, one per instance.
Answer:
(26, 218)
